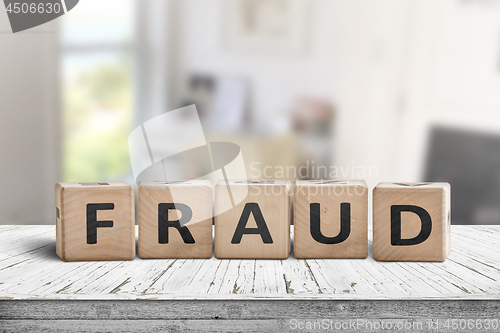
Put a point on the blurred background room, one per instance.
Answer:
(388, 90)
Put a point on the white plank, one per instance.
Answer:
(29, 269)
(245, 280)
(298, 277)
(142, 278)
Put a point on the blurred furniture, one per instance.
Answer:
(267, 150)
(470, 162)
(252, 295)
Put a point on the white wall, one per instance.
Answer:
(28, 124)
(275, 79)
(353, 57)
(452, 76)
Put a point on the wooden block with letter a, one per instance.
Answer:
(330, 219)
(252, 219)
(175, 219)
(95, 221)
(411, 221)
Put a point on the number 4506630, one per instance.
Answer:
(471, 324)
(25, 8)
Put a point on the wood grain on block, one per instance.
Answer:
(411, 221)
(330, 219)
(175, 219)
(95, 221)
(258, 227)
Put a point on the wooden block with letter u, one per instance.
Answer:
(257, 227)
(95, 221)
(330, 219)
(411, 221)
(175, 219)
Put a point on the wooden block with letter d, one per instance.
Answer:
(411, 221)
(95, 221)
(330, 219)
(252, 219)
(175, 219)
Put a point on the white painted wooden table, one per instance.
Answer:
(243, 289)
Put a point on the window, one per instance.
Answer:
(97, 89)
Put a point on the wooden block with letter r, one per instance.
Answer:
(330, 219)
(411, 221)
(252, 219)
(95, 221)
(175, 219)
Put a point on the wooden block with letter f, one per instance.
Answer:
(330, 219)
(252, 219)
(411, 221)
(175, 219)
(95, 221)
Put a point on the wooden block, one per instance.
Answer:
(95, 221)
(175, 219)
(330, 219)
(258, 227)
(411, 221)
